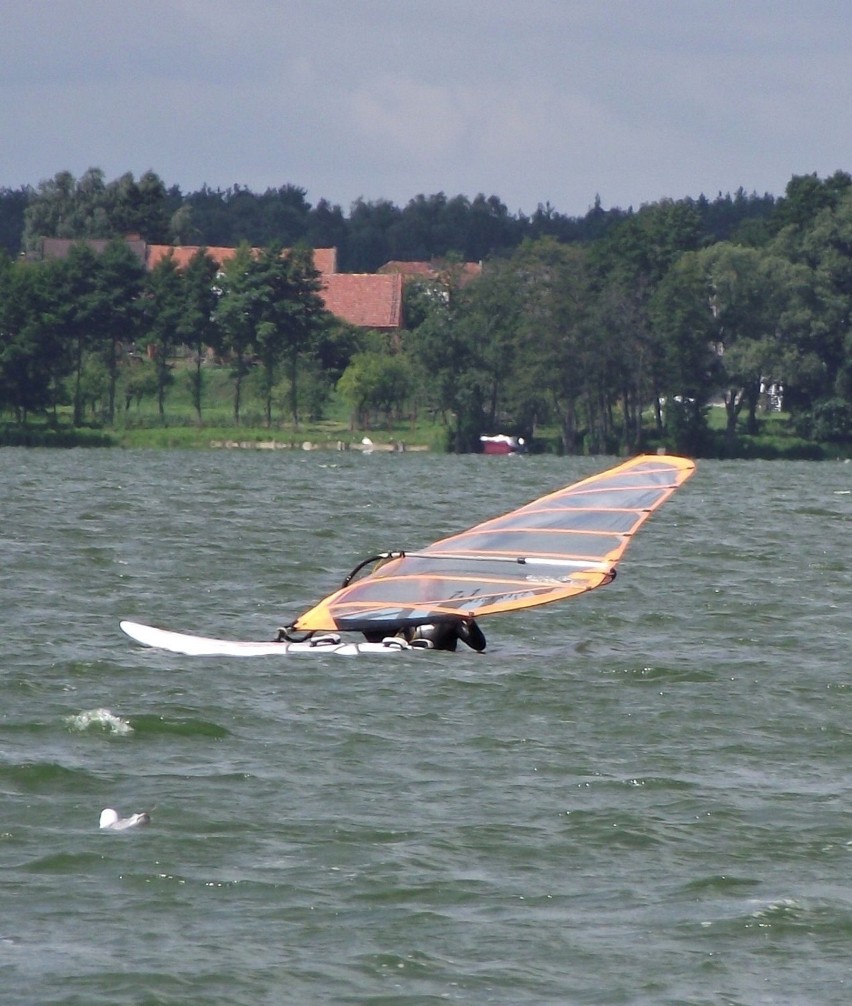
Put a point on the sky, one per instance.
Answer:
(536, 102)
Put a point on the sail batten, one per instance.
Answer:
(563, 544)
(544, 560)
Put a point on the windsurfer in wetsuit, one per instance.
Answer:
(442, 635)
(445, 635)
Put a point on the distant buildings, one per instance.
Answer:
(367, 300)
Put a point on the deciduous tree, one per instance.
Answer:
(165, 310)
(197, 327)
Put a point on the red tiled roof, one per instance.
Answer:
(368, 300)
(325, 259)
(182, 255)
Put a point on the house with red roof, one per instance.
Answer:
(325, 259)
(367, 300)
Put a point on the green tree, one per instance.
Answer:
(742, 303)
(165, 321)
(53, 211)
(686, 334)
(236, 314)
(74, 286)
(630, 261)
(558, 335)
(13, 205)
(119, 281)
(806, 196)
(93, 387)
(299, 314)
(378, 380)
(335, 345)
(34, 353)
(273, 294)
(140, 382)
(88, 207)
(645, 245)
(489, 318)
(628, 357)
(327, 226)
(197, 327)
(137, 207)
(369, 242)
(444, 350)
(62, 207)
(826, 248)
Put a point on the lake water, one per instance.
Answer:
(640, 796)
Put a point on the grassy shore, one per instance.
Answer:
(774, 441)
(326, 435)
(141, 425)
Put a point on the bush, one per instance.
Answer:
(831, 421)
(43, 436)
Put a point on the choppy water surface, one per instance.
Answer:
(640, 796)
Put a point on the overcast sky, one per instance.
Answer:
(533, 101)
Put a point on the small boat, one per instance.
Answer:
(503, 444)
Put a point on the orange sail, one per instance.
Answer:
(563, 544)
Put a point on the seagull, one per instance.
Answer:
(112, 822)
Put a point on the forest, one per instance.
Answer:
(686, 323)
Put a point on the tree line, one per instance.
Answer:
(635, 327)
(368, 235)
(646, 326)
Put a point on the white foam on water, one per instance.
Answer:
(101, 719)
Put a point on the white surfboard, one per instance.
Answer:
(181, 642)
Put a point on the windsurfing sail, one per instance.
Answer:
(562, 544)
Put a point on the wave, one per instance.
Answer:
(105, 721)
(787, 916)
(187, 726)
(46, 777)
(99, 719)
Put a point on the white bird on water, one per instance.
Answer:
(112, 822)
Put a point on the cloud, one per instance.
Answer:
(402, 118)
(542, 101)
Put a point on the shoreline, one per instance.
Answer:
(397, 447)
